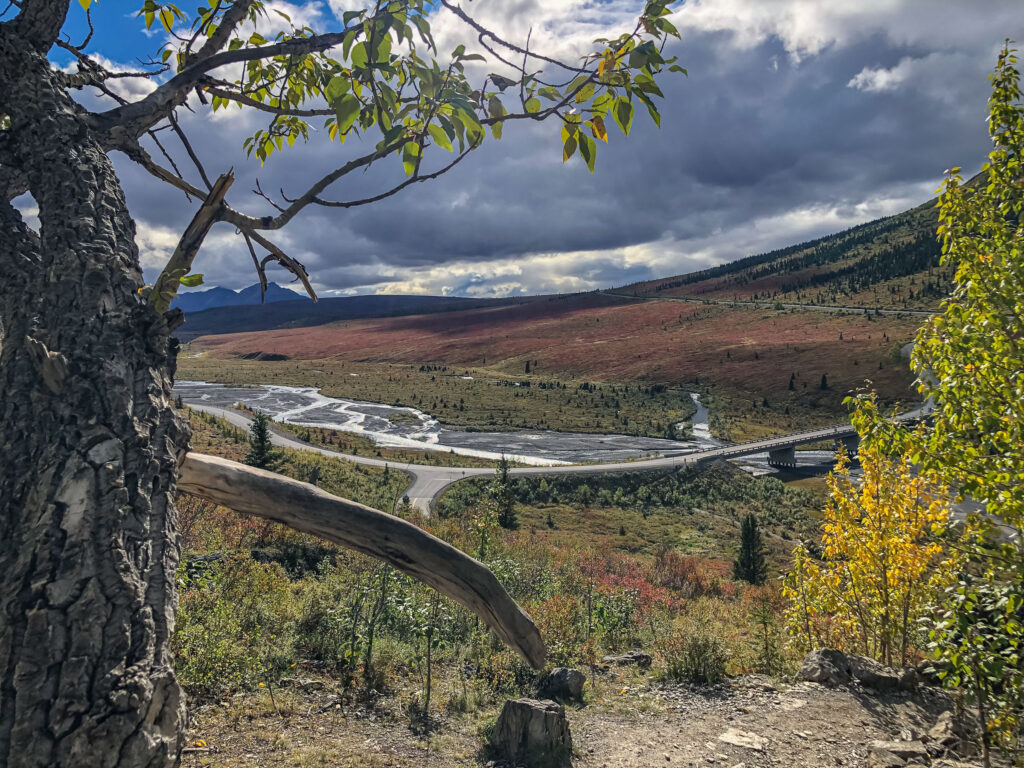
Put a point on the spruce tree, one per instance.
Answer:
(261, 452)
(504, 496)
(751, 565)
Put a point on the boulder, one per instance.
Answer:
(909, 679)
(826, 666)
(533, 733)
(943, 731)
(905, 750)
(872, 674)
(562, 684)
(881, 758)
(639, 658)
(831, 667)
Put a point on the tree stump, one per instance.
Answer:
(533, 733)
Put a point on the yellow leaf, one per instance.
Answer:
(598, 128)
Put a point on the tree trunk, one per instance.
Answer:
(88, 453)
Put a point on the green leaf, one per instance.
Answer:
(359, 55)
(623, 114)
(533, 105)
(438, 135)
(588, 150)
(191, 281)
(347, 109)
(568, 146)
(585, 93)
(348, 16)
(501, 83)
(167, 19)
(85, 4)
(336, 88)
(410, 157)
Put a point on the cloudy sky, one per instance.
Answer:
(798, 118)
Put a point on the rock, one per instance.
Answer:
(831, 667)
(639, 658)
(909, 679)
(744, 739)
(872, 674)
(905, 750)
(826, 666)
(533, 733)
(881, 758)
(944, 730)
(562, 684)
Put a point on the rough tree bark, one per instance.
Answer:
(88, 448)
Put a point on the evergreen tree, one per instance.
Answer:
(751, 566)
(504, 497)
(261, 453)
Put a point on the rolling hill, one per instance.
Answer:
(765, 368)
(890, 263)
(305, 313)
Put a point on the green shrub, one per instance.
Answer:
(696, 650)
(699, 658)
(234, 627)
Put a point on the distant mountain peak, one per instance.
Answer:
(197, 301)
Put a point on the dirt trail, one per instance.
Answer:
(748, 721)
(800, 726)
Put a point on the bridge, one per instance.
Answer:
(427, 483)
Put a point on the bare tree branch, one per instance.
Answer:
(191, 152)
(248, 101)
(414, 179)
(484, 32)
(276, 222)
(135, 118)
(166, 285)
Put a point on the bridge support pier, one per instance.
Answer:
(851, 444)
(782, 458)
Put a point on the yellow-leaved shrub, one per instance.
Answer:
(880, 566)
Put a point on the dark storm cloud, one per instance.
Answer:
(762, 145)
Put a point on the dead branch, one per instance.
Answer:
(180, 263)
(306, 508)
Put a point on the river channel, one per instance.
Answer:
(396, 426)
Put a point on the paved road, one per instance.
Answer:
(771, 304)
(427, 483)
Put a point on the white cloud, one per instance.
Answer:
(807, 27)
(934, 74)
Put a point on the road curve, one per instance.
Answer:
(427, 483)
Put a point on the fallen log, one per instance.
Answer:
(309, 509)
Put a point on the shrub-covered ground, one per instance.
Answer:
(269, 617)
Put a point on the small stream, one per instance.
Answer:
(395, 426)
